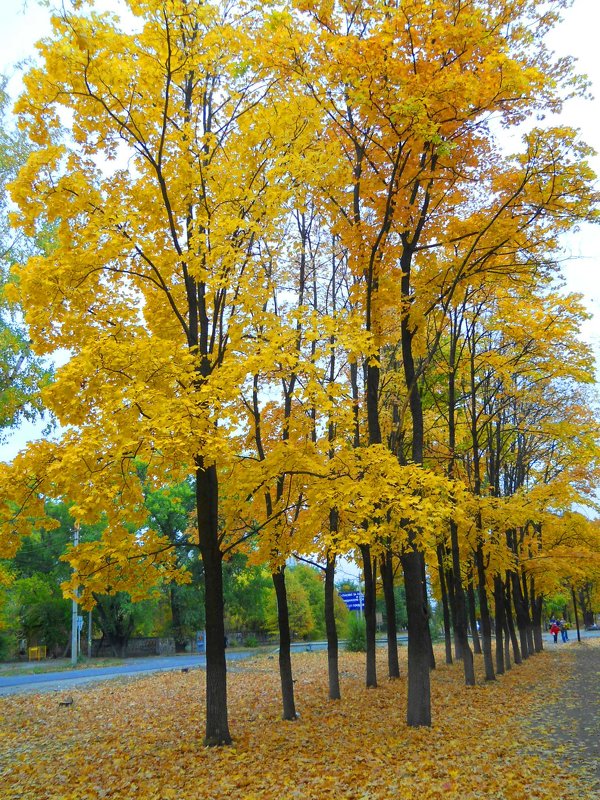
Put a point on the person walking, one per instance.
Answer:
(555, 630)
(564, 634)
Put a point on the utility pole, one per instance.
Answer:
(89, 634)
(74, 614)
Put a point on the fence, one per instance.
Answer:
(139, 646)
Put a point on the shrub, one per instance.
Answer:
(357, 635)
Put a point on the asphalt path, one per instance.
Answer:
(53, 681)
(63, 680)
(58, 681)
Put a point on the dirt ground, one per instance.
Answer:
(567, 729)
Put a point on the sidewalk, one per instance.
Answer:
(567, 728)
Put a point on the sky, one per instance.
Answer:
(22, 22)
(578, 36)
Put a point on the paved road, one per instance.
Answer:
(46, 681)
(50, 681)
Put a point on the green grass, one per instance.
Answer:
(55, 665)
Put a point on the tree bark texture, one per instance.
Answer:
(445, 605)
(331, 628)
(576, 614)
(473, 618)
(217, 728)
(370, 614)
(460, 623)
(499, 614)
(511, 625)
(387, 578)
(484, 612)
(507, 659)
(536, 619)
(521, 614)
(418, 712)
(285, 659)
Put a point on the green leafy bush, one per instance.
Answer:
(357, 635)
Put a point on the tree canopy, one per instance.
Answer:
(296, 269)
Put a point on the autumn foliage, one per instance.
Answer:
(295, 263)
(138, 738)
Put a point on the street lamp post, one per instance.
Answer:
(74, 614)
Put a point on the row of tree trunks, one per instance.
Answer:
(505, 633)
(507, 595)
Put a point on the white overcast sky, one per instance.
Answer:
(22, 22)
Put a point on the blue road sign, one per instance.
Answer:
(355, 601)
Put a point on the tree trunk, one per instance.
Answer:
(473, 618)
(176, 623)
(419, 643)
(521, 613)
(461, 631)
(484, 611)
(370, 617)
(528, 603)
(387, 578)
(576, 614)
(217, 728)
(115, 622)
(428, 630)
(445, 604)
(500, 622)
(285, 659)
(454, 583)
(586, 605)
(330, 627)
(413, 562)
(511, 624)
(454, 613)
(536, 620)
(507, 659)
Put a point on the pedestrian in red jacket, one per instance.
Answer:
(555, 630)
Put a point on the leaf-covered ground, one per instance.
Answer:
(142, 738)
(567, 725)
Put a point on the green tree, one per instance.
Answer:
(400, 606)
(42, 613)
(302, 621)
(119, 619)
(312, 580)
(36, 608)
(246, 590)
(172, 513)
